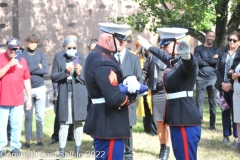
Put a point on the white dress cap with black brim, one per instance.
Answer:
(165, 42)
(170, 34)
(118, 30)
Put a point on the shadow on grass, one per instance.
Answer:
(206, 125)
(215, 145)
(86, 145)
(51, 150)
(139, 151)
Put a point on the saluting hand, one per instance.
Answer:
(143, 42)
(183, 49)
(78, 68)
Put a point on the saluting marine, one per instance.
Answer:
(182, 114)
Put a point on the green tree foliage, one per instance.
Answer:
(198, 16)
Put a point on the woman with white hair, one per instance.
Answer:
(67, 72)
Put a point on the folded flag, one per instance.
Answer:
(142, 91)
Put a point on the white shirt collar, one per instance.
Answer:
(122, 53)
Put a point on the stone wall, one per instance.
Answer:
(52, 20)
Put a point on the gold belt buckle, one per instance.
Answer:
(167, 97)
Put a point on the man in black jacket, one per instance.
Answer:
(206, 54)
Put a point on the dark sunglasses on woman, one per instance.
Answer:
(234, 40)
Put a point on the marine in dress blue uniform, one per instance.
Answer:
(181, 112)
(107, 119)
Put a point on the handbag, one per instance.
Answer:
(222, 103)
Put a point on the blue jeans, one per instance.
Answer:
(15, 115)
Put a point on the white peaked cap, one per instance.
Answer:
(172, 33)
(120, 29)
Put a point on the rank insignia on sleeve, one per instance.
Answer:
(113, 78)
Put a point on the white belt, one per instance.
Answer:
(179, 94)
(98, 100)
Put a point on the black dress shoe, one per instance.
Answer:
(26, 145)
(212, 128)
(40, 144)
(71, 139)
(53, 141)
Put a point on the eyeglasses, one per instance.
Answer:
(234, 40)
(13, 49)
(69, 48)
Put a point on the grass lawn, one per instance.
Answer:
(145, 147)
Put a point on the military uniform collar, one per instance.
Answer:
(103, 50)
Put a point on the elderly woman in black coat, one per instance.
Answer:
(67, 72)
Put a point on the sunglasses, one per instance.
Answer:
(234, 40)
(13, 49)
(69, 48)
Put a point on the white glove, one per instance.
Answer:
(132, 83)
(183, 49)
(143, 42)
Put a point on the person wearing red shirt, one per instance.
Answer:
(14, 78)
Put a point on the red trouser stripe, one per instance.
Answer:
(110, 152)
(185, 143)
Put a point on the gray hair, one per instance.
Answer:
(68, 40)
